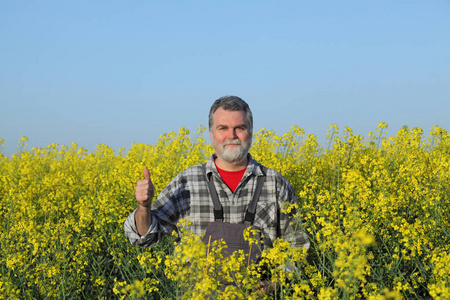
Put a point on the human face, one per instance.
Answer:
(230, 135)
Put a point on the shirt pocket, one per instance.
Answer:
(266, 214)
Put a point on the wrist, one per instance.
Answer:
(144, 208)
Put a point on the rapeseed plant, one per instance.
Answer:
(375, 209)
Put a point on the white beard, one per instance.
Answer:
(233, 154)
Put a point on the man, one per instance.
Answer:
(234, 173)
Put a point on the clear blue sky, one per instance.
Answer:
(118, 72)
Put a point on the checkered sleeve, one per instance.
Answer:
(150, 238)
(171, 205)
(291, 226)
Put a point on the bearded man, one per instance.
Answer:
(234, 174)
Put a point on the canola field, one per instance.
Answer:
(376, 210)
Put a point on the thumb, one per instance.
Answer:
(146, 174)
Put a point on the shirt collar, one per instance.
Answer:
(253, 167)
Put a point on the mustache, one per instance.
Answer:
(232, 142)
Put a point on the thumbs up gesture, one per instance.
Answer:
(145, 190)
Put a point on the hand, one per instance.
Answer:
(265, 288)
(145, 190)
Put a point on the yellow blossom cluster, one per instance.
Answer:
(375, 209)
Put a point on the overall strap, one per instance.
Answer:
(251, 209)
(218, 210)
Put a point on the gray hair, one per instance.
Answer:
(232, 103)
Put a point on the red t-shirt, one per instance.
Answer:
(231, 179)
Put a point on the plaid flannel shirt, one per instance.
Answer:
(187, 197)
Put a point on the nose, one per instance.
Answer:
(232, 134)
